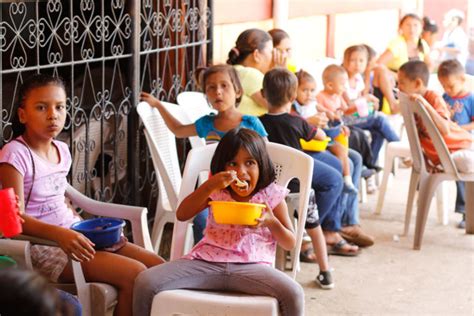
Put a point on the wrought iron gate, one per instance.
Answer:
(107, 51)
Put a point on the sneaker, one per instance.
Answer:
(324, 280)
(462, 223)
(371, 186)
(367, 173)
(350, 189)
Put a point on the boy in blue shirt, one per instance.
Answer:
(461, 105)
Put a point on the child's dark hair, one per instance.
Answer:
(238, 138)
(31, 83)
(279, 86)
(247, 42)
(234, 78)
(355, 48)
(303, 76)
(415, 17)
(278, 35)
(429, 25)
(26, 292)
(450, 67)
(416, 69)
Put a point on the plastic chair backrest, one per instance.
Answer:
(194, 106)
(162, 144)
(409, 109)
(289, 163)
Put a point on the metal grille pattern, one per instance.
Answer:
(107, 51)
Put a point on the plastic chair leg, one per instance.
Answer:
(428, 186)
(414, 178)
(469, 207)
(442, 204)
(363, 190)
(387, 167)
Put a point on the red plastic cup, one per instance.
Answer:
(10, 224)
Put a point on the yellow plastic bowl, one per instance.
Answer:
(343, 140)
(236, 213)
(315, 145)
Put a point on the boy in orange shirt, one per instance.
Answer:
(413, 80)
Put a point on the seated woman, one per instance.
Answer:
(407, 46)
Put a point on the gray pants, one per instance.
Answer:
(247, 278)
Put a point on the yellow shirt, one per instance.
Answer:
(398, 47)
(252, 81)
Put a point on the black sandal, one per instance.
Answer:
(305, 256)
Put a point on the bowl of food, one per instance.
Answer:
(236, 213)
(315, 145)
(103, 232)
(333, 129)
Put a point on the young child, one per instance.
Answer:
(330, 101)
(233, 257)
(355, 63)
(224, 92)
(461, 105)
(279, 88)
(413, 80)
(36, 166)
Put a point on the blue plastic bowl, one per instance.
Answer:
(103, 232)
(334, 129)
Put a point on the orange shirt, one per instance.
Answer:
(456, 139)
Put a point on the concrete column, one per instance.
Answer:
(280, 13)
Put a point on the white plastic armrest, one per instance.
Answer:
(135, 214)
(19, 250)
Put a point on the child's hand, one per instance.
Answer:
(345, 130)
(319, 120)
(221, 180)
(416, 97)
(373, 99)
(150, 99)
(76, 245)
(320, 135)
(268, 219)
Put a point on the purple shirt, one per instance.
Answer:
(47, 201)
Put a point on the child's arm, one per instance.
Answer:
(176, 127)
(350, 105)
(258, 98)
(73, 243)
(278, 221)
(441, 123)
(198, 200)
(468, 126)
(385, 57)
(320, 135)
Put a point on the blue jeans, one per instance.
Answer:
(379, 129)
(199, 223)
(71, 303)
(350, 203)
(460, 193)
(327, 185)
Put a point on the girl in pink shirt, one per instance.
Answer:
(36, 166)
(232, 257)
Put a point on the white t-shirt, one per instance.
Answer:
(455, 39)
(355, 92)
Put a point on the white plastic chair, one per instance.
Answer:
(96, 298)
(428, 182)
(162, 145)
(289, 163)
(195, 106)
(401, 149)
